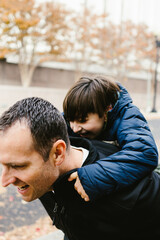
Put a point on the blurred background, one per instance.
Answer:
(45, 46)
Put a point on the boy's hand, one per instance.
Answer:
(78, 186)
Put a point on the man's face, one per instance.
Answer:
(22, 165)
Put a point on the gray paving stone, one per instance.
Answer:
(56, 235)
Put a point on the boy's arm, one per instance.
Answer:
(78, 186)
(137, 158)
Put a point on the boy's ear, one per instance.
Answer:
(106, 112)
(58, 152)
(109, 108)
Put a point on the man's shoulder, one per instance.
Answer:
(102, 148)
(105, 148)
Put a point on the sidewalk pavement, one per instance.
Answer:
(151, 115)
(56, 235)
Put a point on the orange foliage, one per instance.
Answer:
(35, 32)
(48, 32)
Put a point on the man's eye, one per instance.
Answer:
(17, 166)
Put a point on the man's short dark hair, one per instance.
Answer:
(46, 123)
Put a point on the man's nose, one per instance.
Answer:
(75, 127)
(7, 178)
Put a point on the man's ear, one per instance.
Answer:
(58, 152)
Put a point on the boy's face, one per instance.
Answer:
(91, 128)
(22, 166)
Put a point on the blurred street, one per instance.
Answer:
(155, 128)
(16, 213)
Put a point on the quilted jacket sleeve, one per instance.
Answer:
(137, 158)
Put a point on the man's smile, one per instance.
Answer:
(23, 189)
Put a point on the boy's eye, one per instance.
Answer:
(83, 120)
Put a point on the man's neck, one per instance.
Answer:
(73, 159)
(77, 157)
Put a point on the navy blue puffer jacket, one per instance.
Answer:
(138, 155)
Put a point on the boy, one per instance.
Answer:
(99, 108)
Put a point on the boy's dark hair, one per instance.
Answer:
(45, 122)
(90, 95)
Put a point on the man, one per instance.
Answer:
(37, 158)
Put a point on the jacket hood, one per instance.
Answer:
(123, 100)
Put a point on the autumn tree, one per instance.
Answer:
(145, 48)
(84, 38)
(124, 48)
(119, 48)
(33, 32)
(48, 32)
